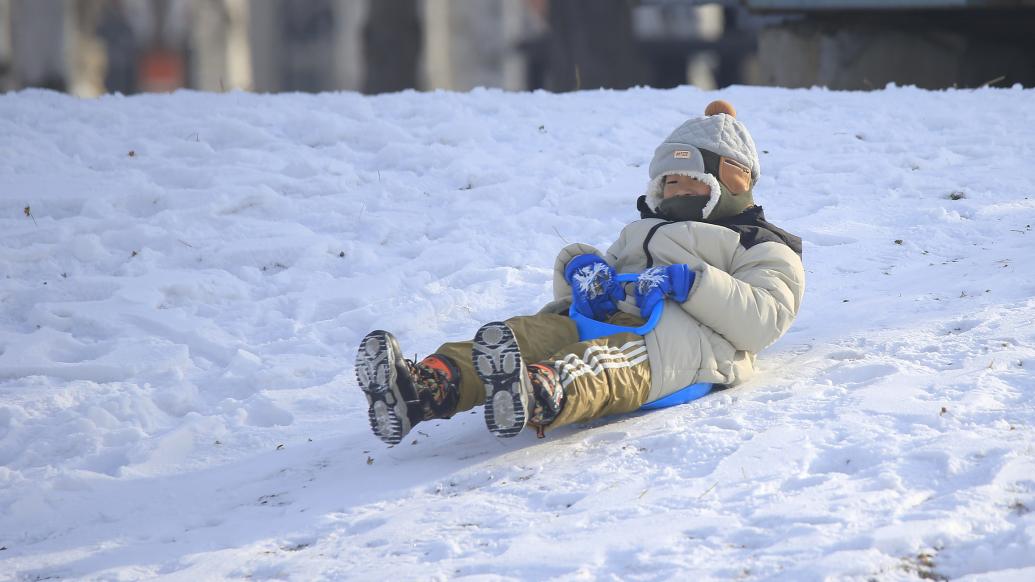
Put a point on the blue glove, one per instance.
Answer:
(594, 289)
(656, 283)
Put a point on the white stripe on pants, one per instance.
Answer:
(598, 358)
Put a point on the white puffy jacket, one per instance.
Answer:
(748, 286)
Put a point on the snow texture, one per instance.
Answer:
(184, 279)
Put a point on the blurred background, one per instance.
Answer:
(90, 47)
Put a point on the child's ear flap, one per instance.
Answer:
(734, 175)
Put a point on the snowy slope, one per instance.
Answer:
(185, 277)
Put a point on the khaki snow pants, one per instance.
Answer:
(608, 375)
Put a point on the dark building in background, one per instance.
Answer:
(866, 44)
(591, 45)
(658, 43)
(360, 45)
(88, 47)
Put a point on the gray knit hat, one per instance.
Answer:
(716, 135)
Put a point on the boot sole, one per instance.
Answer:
(377, 361)
(497, 360)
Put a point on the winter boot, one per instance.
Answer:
(402, 393)
(515, 394)
(547, 396)
(438, 385)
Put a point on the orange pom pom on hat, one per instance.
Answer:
(720, 106)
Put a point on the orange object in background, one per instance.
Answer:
(161, 71)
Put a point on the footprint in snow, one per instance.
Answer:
(274, 500)
(772, 395)
(846, 355)
(606, 438)
(962, 326)
(858, 375)
(562, 500)
(364, 525)
(829, 240)
(803, 482)
(438, 550)
(847, 460)
(722, 422)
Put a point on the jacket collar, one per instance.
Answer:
(751, 216)
(748, 223)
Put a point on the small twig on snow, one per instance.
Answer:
(707, 491)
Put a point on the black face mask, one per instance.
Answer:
(681, 208)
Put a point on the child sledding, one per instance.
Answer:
(721, 282)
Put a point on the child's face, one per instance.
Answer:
(684, 186)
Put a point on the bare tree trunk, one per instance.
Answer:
(592, 46)
(391, 46)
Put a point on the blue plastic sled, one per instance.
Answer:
(592, 329)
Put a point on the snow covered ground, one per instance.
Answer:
(185, 278)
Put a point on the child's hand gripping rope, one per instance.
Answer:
(595, 291)
(656, 283)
